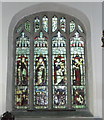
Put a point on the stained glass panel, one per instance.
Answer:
(59, 71)
(60, 96)
(72, 26)
(45, 23)
(41, 97)
(22, 71)
(54, 24)
(77, 70)
(40, 72)
(36, 24)
(63, 24)
(78, 97)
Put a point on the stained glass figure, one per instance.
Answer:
(28, 26)
(22, 71)
(45, 23)
(72, 26)
(59, 65)
(80, 28)
(22, 67)
(54, 24)
(63, 24)
(60, 96)
(40, 68)
(21, 97)
(78, 99)
(78, 71)
(41, 97)
(36, 24)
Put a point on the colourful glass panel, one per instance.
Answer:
(27, 26)
(36, 24)
(72, 26)
(41, 97)
(60, 96)
(21, 97)
(22, 71)
(78, 97)
(77, 70)
(54, 24)
(59, 71)
(45, 23)
(40, 72)
(63, 24)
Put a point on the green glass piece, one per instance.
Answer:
(27, 26)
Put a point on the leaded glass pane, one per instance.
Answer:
(40, 72)
(77, 71)
(63, 24)
(59, 71)
(54, 24)
(45, 23)
(22, 71)
(72, 26)
(36, 24)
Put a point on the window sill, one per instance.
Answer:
(52, 113)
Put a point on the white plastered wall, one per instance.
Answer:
(92, 12)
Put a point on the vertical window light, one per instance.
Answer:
(36, 24)
(22, 71)
(63, 24)
(40, 72)
(78, 71)
(59, 71)
(54, 24)
(45, 23)
(72, 26)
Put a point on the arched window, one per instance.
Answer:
(50, 63)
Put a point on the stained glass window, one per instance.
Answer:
(50, 63)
